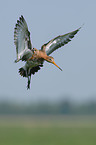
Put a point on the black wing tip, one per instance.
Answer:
(22, 16)
(15, 61)
(18, 24)
(79, 28)
(21, 19)
(75, 32)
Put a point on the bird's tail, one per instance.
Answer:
(27, 72)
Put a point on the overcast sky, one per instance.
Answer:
(46, 20)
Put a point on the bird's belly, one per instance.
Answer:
(30, 64)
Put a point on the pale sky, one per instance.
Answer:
(46, 20)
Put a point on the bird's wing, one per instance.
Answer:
(57, 42)
(22, 40)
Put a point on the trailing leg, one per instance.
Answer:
(29, 80)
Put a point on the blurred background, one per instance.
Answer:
(60, 107)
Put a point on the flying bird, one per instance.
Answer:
(33, 57)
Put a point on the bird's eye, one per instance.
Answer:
(34, 49)
(49, 58)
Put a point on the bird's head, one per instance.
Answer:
(35, 50)
(51, 60)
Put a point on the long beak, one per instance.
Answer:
(56, 65)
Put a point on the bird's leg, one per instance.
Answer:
(29, 79)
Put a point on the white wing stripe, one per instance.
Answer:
(58, 42)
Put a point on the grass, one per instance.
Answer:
(47, 130)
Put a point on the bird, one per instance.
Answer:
(34, 58)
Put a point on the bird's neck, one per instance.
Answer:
(42, 54)
(39, 54)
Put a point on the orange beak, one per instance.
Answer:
(56, 65)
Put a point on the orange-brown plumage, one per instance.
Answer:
(41, 55)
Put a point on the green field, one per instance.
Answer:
(47, 130)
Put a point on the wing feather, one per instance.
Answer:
(22, 40)
(59, 41)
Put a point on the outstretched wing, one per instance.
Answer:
(22, 40)
(57, 42)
